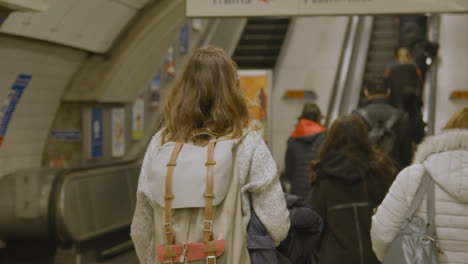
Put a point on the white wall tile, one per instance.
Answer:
(453, 62)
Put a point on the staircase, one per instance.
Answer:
(260, 43)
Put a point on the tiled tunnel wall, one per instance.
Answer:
(51, 68)
(453, 62)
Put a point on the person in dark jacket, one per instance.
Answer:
(300, 244)
(402, 74)
(302, 149)
(352, 180)
(377, 111)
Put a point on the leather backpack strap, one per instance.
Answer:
(169, 196)
(209, 195)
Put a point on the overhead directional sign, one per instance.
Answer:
(246, 8)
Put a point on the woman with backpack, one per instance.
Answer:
(444, 158)
(352, 179)
(204, 171)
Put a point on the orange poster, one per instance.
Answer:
(255, 85)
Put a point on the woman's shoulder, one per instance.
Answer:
(251, 137)
(411, 173)
(408, 180)
(155, 142)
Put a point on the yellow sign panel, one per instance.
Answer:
(459, 95)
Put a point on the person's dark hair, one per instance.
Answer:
(376, 86)
(311, 112)
(348, 135)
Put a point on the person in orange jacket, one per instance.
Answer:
(303, 146)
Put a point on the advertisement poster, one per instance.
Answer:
(96, 132)
(256, 86)
(184, 39)
(138, 118)
(13, 98)
(170, 62)
(155, 88)
(118, 132)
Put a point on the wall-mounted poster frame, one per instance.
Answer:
(138, 118)
(118, 132)
(96, 132)
(257, 86)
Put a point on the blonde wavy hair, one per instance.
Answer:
(458, 120)
(206, 100)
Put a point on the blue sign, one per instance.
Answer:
(155, 87)
(96, 132)
(13, 98)
(65, 135)
(184, 38)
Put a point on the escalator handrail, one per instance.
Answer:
(343, 70)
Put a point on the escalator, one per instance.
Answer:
(260, 43)
(383, 42)
(369, 48)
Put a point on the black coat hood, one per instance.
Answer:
(342, 166)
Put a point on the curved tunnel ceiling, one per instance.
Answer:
(26, 5)
(91, 25)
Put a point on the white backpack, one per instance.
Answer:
(197, 215)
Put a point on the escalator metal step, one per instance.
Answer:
(385, 22)
(384, 44)
(372, 76)
(258, 47)
(262, 37)
(262, 52)
(377, 66)
(385, 34)
(260, 43)
(254, 58)
(266, 29)
(269, 21)
(381, 55)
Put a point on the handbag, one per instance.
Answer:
(415, 243)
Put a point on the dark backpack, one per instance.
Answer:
(381, 132)
(300, 244)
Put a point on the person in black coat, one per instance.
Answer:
(352, 179)
(303, 145)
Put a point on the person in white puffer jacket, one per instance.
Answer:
(445, 157)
